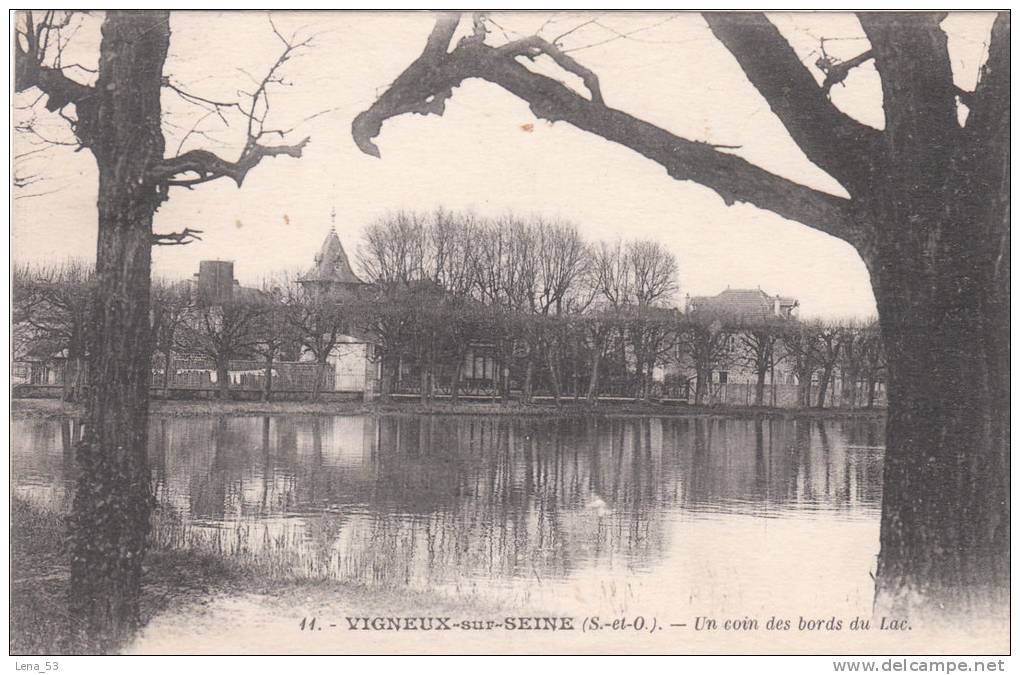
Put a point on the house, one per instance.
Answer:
(353, 356)
(745, 303)
(733, 375)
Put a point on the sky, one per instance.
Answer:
(487, 154)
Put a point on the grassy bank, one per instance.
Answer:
(178, 585)
(53, 407)
(40, 621)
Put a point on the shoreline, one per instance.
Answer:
(40, 407)
(179, 588)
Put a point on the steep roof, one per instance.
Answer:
(750, 303)
(331, 264)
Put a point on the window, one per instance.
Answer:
(723, 375)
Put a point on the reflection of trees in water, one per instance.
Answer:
(774, 463)
(431, 499)
(42, 463)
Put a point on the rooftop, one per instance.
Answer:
(750, 303)
(331, 264)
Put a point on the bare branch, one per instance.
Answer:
(431, 78)
(208, 166)
(534, 46)
(30, 69)
(837, 71)
(182, 238)
(834, 141)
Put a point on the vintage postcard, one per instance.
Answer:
(511, 333)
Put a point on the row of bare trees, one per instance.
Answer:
(552, 313)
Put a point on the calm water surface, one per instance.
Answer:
(658, 515)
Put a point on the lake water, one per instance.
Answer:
(676, 516)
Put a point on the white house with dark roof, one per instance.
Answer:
(734, 380)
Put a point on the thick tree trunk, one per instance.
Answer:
(943, 298)
(823, 385)
(945, 515)
(701, 380)
(759, 386)
(804, 388)
(222, 378)
(113, 499)
(320, 375)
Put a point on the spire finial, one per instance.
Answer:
(332, 219)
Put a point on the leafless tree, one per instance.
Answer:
(113, 107)
(172, 303)
(54, 303)
(927, 208)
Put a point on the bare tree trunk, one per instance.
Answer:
(823, 385)
(168, 362)
(593, 380)
(848, 388)
(759, 386)
(553, 373)
(320, 375)
(701, 379)
(945, 510)
(222, 378)
(944, 310)
(113, 499)
(389, 378)
(267, 392)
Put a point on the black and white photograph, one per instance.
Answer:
(510, 333)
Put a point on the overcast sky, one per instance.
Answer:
(487, 154)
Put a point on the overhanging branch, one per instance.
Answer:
(431, 78)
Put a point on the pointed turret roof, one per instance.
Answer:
(331, 263)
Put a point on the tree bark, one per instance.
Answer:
(943, 299)
(759, 386)
(320, 375)
(701, 379)
(267, 393)
(823, 385)
(945, 516)
(222, 378)
(113, 500)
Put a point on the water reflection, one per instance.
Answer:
(434, 501)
